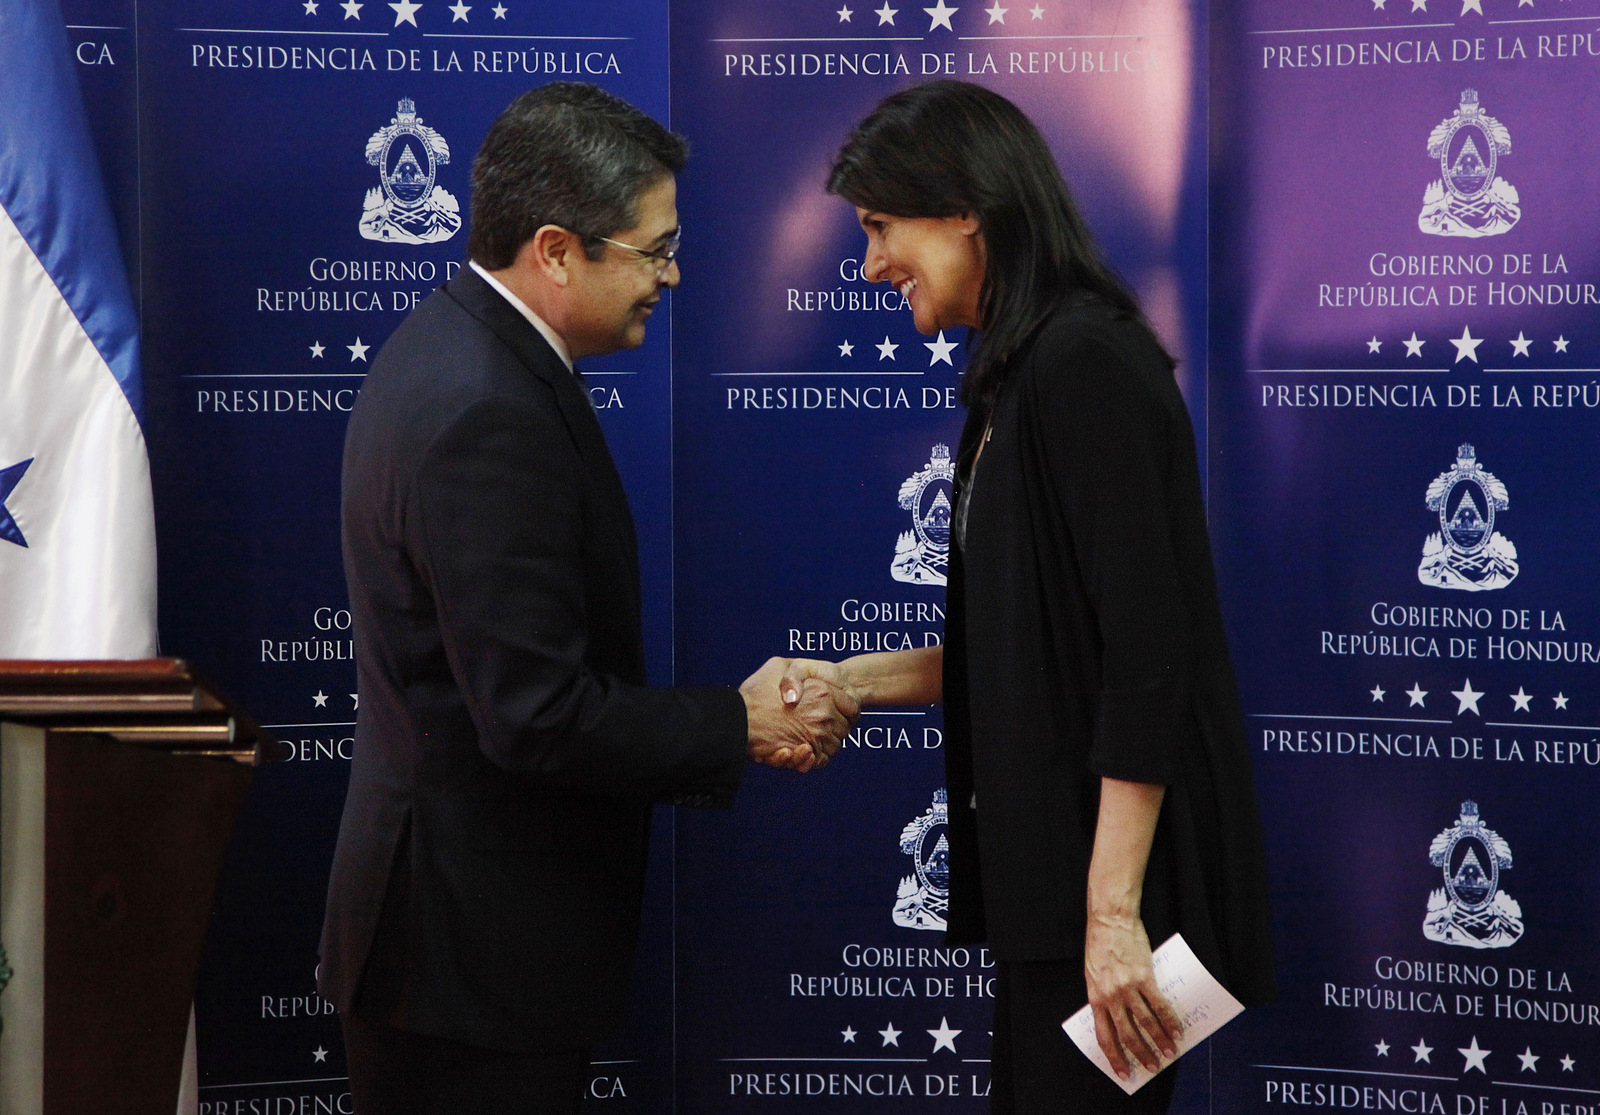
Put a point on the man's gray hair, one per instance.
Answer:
(567, 154)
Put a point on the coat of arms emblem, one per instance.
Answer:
(922, 554)
(409, 206)
(1469, 198)
(1471, 909)
(925, 894)
(1467, 552)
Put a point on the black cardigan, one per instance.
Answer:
(1084, 638)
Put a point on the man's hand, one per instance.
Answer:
(799, 724)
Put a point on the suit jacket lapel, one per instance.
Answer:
(486, 304)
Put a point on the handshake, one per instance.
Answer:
(799, 711)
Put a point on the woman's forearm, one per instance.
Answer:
(1122, 838)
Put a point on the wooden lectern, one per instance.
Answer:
(119, 784)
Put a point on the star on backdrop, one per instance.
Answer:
(1567, 1062)
(358, 351)
(499, 11)
(944, 1037)
(1413, 346)
(844, 14)
(1529, 1060)
(405, 12)
(1519, 347)
(849, 1034)
(355, 701)
(1382, 1048)
(1374, 345)
(1471, 6)
(996, 14)
(317, 350)
(1474, 1057)
(311, 7)
(891, 1036)
(319, 1054)
(1416, 693)
(1419, 5)
(1561, 344)
(319, 699)
(1561, 700)
(1377, 693)
(9, 478)
(846, 348)
(886, 14)
(1466, 345)
(1521, 699)
(1377, 5)
(352, 9)
(941, 350)
(941, 14)
(886, 350)
(458, 12)
(1468, 698)
(1036, 12)
(1422, 1049)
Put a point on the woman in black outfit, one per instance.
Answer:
(1099, 779)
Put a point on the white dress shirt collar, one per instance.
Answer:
(534, 319)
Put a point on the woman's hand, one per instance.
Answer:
(1132, 1019)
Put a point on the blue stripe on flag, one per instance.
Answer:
(51, 186)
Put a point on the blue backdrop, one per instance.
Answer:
(1366, 232)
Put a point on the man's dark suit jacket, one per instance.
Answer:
(506, 749)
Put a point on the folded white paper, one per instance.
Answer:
(1203, 1006)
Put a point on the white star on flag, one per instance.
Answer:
(1474, 1057)
(941, 14)
(1422, 1049)
(1377, 693)
(944, 1037)
(1374, 345)
(844, 14)
(458, 12)
(886, 350)
(1519, 347)
(846, 349)
(1468, 698)
(1416, 693)
(1521, 699)
(848, 1033)
(1382, 1048)
(1466, 345)
(499, 11)
(1561, 344)
(941, 350)
(358, 351)
(319, 699)
(1413, 346)
(891, 1036)
(317, 350)
(352, 9)
(1561, 700)
(996, 14)
(1529, 1059)
(405, 12)
(1471, 6)
(886, 14)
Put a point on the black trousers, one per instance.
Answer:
(398, 1072)
(1034, 1067)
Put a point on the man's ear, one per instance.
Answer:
(549, 254)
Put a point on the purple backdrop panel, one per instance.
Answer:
(1404, 362)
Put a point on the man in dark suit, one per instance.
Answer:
(485, 895)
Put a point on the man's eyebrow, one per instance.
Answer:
(668, 235)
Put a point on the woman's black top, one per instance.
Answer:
(1084, 639)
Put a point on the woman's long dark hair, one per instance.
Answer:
(947, 148)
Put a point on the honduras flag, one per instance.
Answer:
(77, 531)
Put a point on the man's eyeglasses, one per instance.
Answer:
(662, 256)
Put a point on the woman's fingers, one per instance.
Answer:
(1105, 1033)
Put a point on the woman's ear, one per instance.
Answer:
(969, 224)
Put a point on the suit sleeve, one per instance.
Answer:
(1105, 433)
(497, 516)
